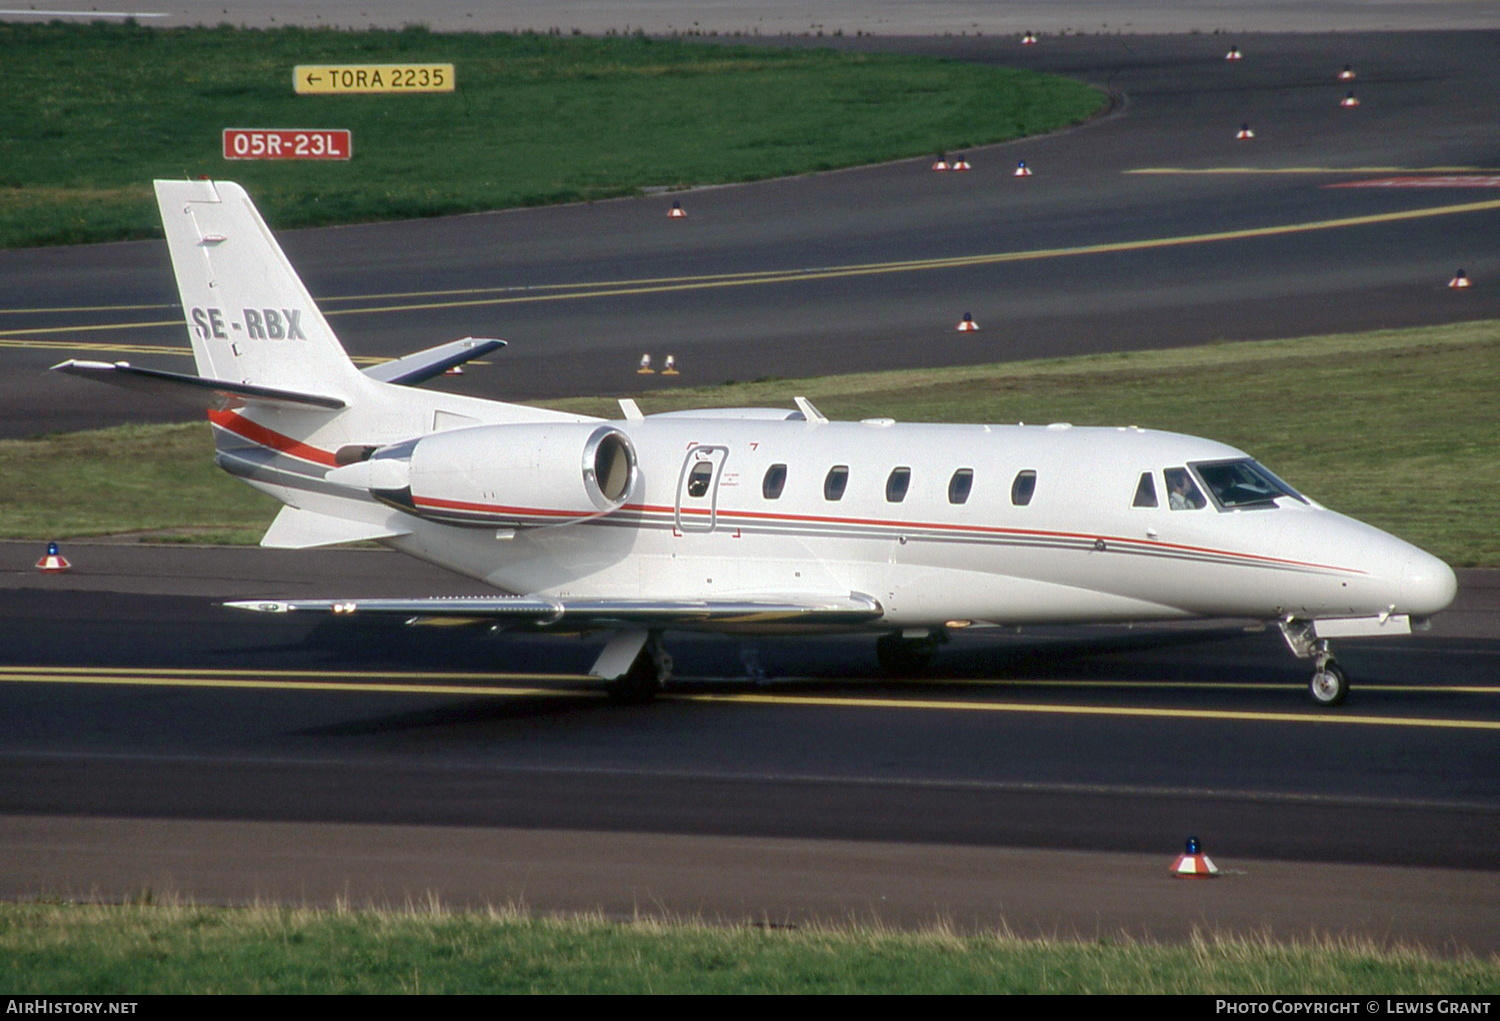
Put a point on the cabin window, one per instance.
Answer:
(774, 482)
(699, 477)
(1022, 489)
(897, 485)
(1182, 492)
(960, 484)
(1145, 491)
(835, 483)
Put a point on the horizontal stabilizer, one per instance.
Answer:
(196, 390)
(423, 365)
(544, 611)
(295, 528)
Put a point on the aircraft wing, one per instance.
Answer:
(769, 612)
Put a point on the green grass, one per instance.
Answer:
(82, 949)
(1400, 428)
(90, 114)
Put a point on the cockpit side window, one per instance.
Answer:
(1182, 492)
(1243, 484)
(1145, 491)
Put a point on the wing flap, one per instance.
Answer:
(749, 613)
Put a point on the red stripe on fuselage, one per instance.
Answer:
(255, 433)
(751, 516)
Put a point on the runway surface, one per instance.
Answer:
(1044, 780)
(1153, 227)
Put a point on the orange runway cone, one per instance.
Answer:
(967, 324)
(1234, 54)
(669, 367)
(645, 369)
(52, 561)
(942, 162)
(676, 212)
(1347, 74)
(1348, 100)
(1460, 280)
(1022, 170)
(959, 163)
(1029, 39)
(1245, 132)
(1193, 863)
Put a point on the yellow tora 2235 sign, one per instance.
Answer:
(323, 79)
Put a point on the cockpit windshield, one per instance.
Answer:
(1237, 484)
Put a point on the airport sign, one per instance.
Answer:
(288, 144)
(348, 79)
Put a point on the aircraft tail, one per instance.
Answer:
(250, 319)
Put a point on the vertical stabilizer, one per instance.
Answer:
(249, 317)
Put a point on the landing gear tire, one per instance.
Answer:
(646, 677)
(904, 657)
(1328, 686)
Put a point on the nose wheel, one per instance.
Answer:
(1329, 686)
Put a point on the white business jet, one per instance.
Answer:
(748, 521)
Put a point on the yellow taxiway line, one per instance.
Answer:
(442, 684)
(661, 285)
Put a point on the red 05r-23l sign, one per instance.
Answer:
(287, 144)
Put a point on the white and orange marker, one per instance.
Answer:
(942, 162)
(1234, 54)
(1245, 132)
(1347, 74)
(645, 369)
(1022, 170)
(669, 367)
(1348, 100)
(676, 212)
(1193, 863)
(52, 561)
(1460, 280)
(959, 163)
(1029, 39)
(967, 324)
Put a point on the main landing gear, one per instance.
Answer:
(902, 655)
(648, 674)
(1329, 685)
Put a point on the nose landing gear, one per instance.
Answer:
(1329, 685)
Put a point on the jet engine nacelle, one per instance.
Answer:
(502, 475)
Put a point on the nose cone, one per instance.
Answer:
(1427, 585)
